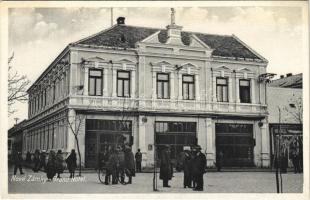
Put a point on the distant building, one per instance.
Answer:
(149, 86)
(15, 137)
(290, 81)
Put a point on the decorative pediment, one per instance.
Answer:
(162, 66)
(222, 68)
(95, 59)
(124, 60)
(152, 38)
(244, 73)
(197, 43)
(244, 69)
(160, 63)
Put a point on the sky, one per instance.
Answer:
(38, 35)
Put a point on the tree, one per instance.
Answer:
(17, 86)
(74, 123)
(295, 109)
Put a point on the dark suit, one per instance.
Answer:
(199, 164)
(165, 167)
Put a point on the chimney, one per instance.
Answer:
(120, 20)
(281, 76)
(289, 74)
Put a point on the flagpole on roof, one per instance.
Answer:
(111, 16)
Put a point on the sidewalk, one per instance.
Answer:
(215, 182)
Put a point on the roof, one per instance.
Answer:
(124, 36)
(294, 81)
(17, 128)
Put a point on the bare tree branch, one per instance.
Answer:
(17, 86)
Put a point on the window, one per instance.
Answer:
(221, 90)
(95, 82)
(188, 87)
(244, 89)
(54, 91)
(123, 84)
(163, 86)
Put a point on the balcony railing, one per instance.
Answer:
(164, 105)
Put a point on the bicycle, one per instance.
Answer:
(123, 174)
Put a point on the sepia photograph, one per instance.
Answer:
(156, 98)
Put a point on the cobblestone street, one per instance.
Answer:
(215, 182)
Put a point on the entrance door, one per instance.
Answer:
(176, 135)
(235, 141)
(103, 135)
(91, 150)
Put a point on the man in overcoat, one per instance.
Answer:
(138, 158)
(199, 164)
(187, 168)
(165, 166)
(18, 161)
(129, 163)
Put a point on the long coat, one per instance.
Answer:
(51, 166)
(130, 161)
(199, 164)
(59, 163)
(71, 162)
(165, 166)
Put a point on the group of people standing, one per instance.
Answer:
(118, 162)
(193, 164)
(52, 164)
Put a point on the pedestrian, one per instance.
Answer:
(219, 160)
(138, 158)
(295, 161)
(18, 161)
(187, 168)
(28, 157)
(284, 160)
(36, 160)
(129, 163)
(165, 166)
(51, 165)
(71, 163)
(120, 165)
(112, 167)
(43, 160)
(59, 163)
(199, 164)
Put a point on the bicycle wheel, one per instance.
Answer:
(124, 175)
(101, 174)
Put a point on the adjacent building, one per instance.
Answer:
(285, 108)
(151, 87)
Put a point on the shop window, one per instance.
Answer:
(188, 83)
(222, 89)
(244, 90)
(95, 82)
(123, 83)
(163, 86)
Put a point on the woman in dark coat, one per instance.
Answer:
(165, 166)
(51, 165)
(36, 160)
(71, 163)
(129, 163)
(59, 163)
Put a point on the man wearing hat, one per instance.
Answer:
(165, 166)
(199, 164)
(187, 167)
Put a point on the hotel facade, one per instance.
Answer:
(151, 87)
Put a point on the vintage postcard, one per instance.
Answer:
(164, 99)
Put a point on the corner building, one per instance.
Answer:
(153, 86)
